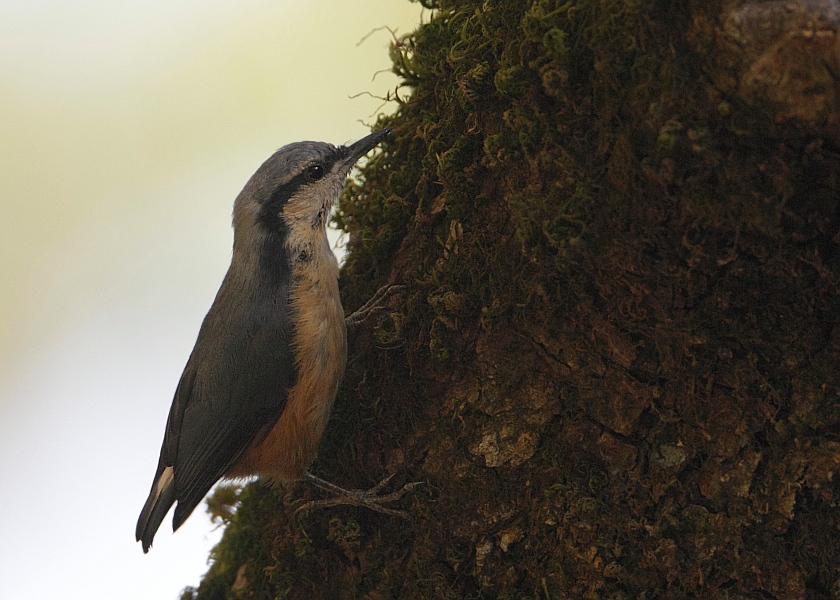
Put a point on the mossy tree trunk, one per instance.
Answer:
(615, 358)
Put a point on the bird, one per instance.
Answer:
(258, 387)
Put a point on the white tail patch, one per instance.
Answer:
(163, 483)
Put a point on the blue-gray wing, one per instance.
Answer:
(235, 384)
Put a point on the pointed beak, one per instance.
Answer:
(363, 146)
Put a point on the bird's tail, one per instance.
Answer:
(160, 500)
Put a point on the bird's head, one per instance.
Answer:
(296, 188)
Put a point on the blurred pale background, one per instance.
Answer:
(126, 131)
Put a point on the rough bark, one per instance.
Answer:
(615, 360)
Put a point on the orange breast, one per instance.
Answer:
(288, 448)
(321, 348)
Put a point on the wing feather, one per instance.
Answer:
(235, 384)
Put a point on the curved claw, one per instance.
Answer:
(374, 305)
(366, 498)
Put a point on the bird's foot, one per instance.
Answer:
(372, 306)
(367, 498)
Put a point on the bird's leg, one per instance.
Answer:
(374, 305)
(367, 498)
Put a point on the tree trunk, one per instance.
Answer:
(614, 363)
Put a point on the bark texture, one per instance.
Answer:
(615, 359)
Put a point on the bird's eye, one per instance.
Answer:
(315, 172)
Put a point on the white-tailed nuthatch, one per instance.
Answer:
(258, 388)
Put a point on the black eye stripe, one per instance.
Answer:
(282, 194)
(269, 215)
